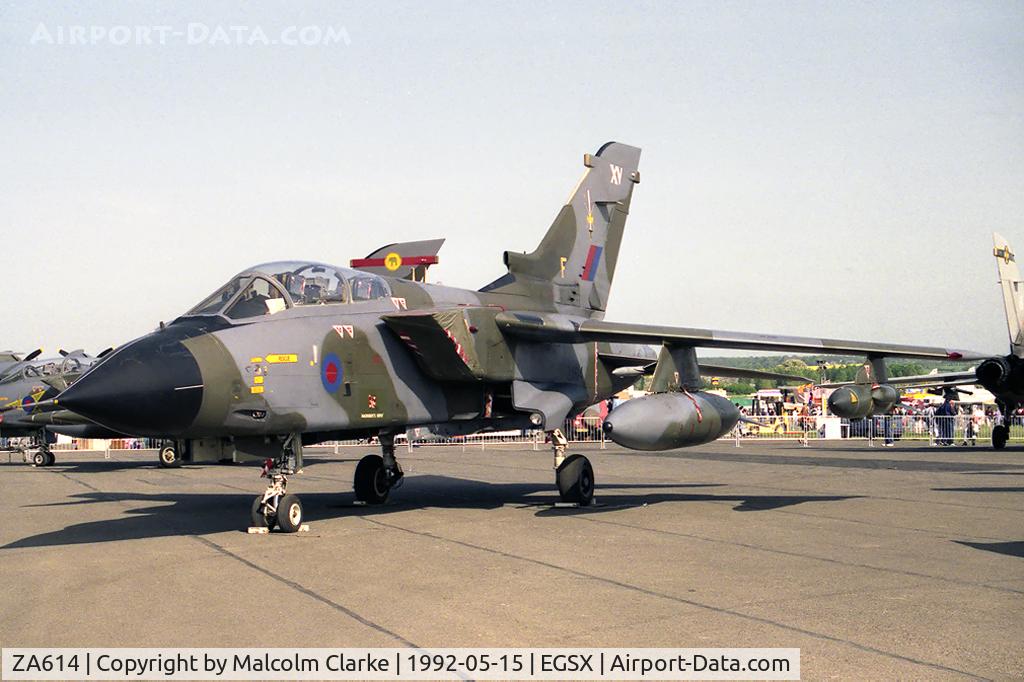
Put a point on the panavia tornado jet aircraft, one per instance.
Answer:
(874, 393)
(288, 354)
(27, 383)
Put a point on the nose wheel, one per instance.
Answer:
(263, 515)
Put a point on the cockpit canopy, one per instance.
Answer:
(40, 370)
(272, 287)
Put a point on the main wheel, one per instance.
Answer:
(258, 518)
(371, 480)
(289, 513)
(1000, 434)
(168, 457)
(39, 459)
(50, 459)
(575, 478)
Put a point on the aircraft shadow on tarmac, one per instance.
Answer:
(182, 514)
(1008, 548)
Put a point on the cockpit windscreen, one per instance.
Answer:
(272, 287)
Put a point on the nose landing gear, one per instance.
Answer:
(276, 507)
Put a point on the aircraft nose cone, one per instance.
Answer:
(152, 387)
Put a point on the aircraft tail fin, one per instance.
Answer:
(1013, 292)
(574, 264)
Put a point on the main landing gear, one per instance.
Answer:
(275, 507)
(169, 456)
(42, 456)
(574, 474)
(1001, 431)
(1000, 434)
(376, 476)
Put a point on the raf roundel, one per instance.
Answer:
(27, 403)
(331, 373)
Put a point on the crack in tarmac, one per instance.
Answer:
(680, 600)
(800, 555)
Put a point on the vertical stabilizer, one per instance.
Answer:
(575, 262)
(1013, 296)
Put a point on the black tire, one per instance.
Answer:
(39, 458)
(371, 480)
(168, 457)
(575, 478)
(258, 519)
(289, 514)
(51, 459)
(1000, 434)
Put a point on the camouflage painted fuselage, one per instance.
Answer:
(424, 355)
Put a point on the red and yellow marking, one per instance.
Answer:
(383, 262)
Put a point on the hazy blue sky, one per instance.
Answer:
(808, 168)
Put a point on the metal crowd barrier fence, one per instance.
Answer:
(963, 429)
(936, 430)
(579, 430)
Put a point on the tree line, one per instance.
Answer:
(834, 369)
